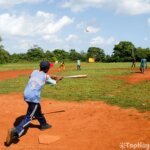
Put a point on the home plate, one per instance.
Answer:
(47, 139)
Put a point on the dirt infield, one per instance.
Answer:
(4, 75)
(135, 77)
(84, 126)
(78, 126)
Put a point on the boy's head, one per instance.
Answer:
(44, 66)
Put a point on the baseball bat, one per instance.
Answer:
(76, 76)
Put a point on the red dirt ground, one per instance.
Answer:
(4, 75)
(80, 126)
(135, 77)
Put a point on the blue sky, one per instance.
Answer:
(73, 24)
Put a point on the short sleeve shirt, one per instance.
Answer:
(33, 89)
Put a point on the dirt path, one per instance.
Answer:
(135, 77)
(4, 75)
(84, 126)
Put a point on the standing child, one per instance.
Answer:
(78, 65)
(133, 62)
(62, 66)
(32, 97)
(143, 65)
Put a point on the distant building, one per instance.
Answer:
(91, 60)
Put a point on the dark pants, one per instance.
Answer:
(133, 65)
(78, 67)
(34, 110)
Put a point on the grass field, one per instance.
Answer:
(97, 87)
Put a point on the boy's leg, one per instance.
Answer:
(143, 69)
(12, 135)
(79, 67)
(40, 117)
(132, 65)
(18, 131)
(32, 107)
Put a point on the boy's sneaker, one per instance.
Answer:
(12, 134)
(46, 126)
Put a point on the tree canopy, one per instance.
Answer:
(4, 55)
(96, 53)
(34, 54)
(122, 52)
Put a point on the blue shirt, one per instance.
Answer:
(33, 89)
(36, 82)
(143, 63)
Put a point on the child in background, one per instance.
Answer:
(143, 65)
(78, 65)
(62, 66)
(133, 62)
(32, 97)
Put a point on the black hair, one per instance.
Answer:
(44, 66)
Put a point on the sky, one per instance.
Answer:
(73, 24)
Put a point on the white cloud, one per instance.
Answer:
(92, 29)
(52, 38)
(13, 25)
(25, 44)
(133, 7)
(100, 41)
(40, 24)
(72, 38)
(53, 27)
(10, 3)
(130, 7)
(79, 5)
(18, 45)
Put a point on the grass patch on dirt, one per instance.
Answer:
(96, 87)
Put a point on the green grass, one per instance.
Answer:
(97, 87)
(18, 66)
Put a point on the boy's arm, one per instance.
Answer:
(53, 79)
(57, 78)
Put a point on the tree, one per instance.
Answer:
(148, 54)
(125, 51)
(83, 56)
(73, 55)
(35, 54)
(142, 53)
(108, 58)
(60, 54)
(50, 56)
(4, 55)
(96, 53)
(18, 57)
